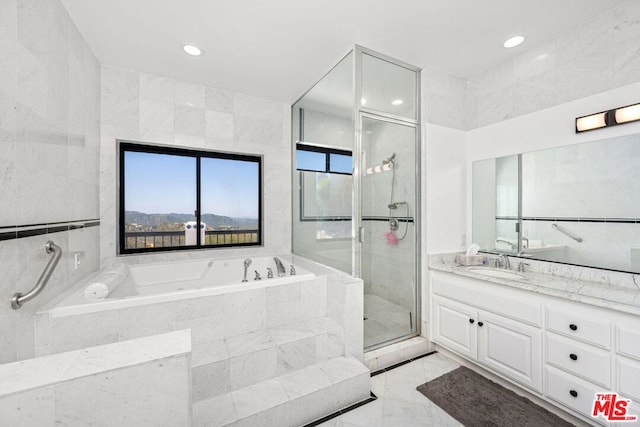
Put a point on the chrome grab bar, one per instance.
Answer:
(566, 233)
(18, 298)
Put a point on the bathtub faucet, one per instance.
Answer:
(280, 267)
(247, 263)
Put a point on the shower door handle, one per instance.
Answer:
(361, 234)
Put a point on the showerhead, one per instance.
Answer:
(389, 160)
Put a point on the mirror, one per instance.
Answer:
(577, 204)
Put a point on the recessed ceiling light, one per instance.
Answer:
(192, 50)
(397, 102)
(514, 41)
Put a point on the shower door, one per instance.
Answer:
(387, 235)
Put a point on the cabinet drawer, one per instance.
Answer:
(500, 300)
(628, 342)
(580, 325)
(580, 359)
(628, 374)
(572, 392)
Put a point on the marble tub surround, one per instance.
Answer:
(141, 382)
(602, 288)
(243, 339)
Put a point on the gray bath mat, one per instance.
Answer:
(474, 401)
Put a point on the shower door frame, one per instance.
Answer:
(361, 112)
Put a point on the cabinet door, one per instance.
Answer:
(454, 326)
(511, 348)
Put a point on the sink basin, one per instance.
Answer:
(492, 272)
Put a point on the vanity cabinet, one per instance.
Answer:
(482, 327)
(565, 352)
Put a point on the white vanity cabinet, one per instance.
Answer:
(564, 351)
(498, 330)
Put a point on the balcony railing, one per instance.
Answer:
(167, 239)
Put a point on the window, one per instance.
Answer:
(321, 159)
(325, 190)
(174, 198)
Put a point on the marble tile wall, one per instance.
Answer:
(49, 132)
(594, 57)
(153, 109)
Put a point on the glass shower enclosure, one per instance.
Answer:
(356, 177)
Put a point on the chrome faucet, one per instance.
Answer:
(269, 273)
(503, 261)
(292, 271)
(247, 263)
(257, 275)
(280, 267)
(521, 266)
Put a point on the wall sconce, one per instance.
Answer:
(617, 116)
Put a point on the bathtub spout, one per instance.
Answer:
(280, 266)
(247, 263)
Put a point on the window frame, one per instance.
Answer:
(327, 151)
(124, 146)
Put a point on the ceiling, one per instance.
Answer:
(278, 49)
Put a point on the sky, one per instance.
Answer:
(162, 183)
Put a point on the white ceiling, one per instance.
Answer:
(278, 49)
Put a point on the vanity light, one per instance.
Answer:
(617, 116)
(192, 50)
(627, 114)
(593, 121)
(397, 102)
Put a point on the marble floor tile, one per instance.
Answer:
(398, 403)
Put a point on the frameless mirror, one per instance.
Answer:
(576, 204)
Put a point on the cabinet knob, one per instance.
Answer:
(480, 324)
(573, 393)
(573, 327)
(471, 321)
(573, 356)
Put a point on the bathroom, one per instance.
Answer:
(77, 77)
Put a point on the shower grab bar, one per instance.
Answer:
(566, 233)
(18, 298)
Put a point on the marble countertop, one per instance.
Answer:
(611, 294)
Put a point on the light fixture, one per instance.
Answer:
(513, 41)
(363, 101)
(397, 102)
(192, 50)
(591, 122)
(616, 116)
(627, 114)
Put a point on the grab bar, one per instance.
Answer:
(18, 299)
(566, 233)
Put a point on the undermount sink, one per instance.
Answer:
(493, 272)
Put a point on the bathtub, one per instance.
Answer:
(171, 281)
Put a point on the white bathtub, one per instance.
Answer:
(170, 281)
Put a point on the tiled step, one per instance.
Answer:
(292, 399)
(223, 366)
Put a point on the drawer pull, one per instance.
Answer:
(573, 393)
(481, 324)
(573, 356)
(573, 327)
(471, 321)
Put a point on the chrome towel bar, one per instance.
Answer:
(18, 298)
(566, 233)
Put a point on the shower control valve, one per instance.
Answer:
(292, 271)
